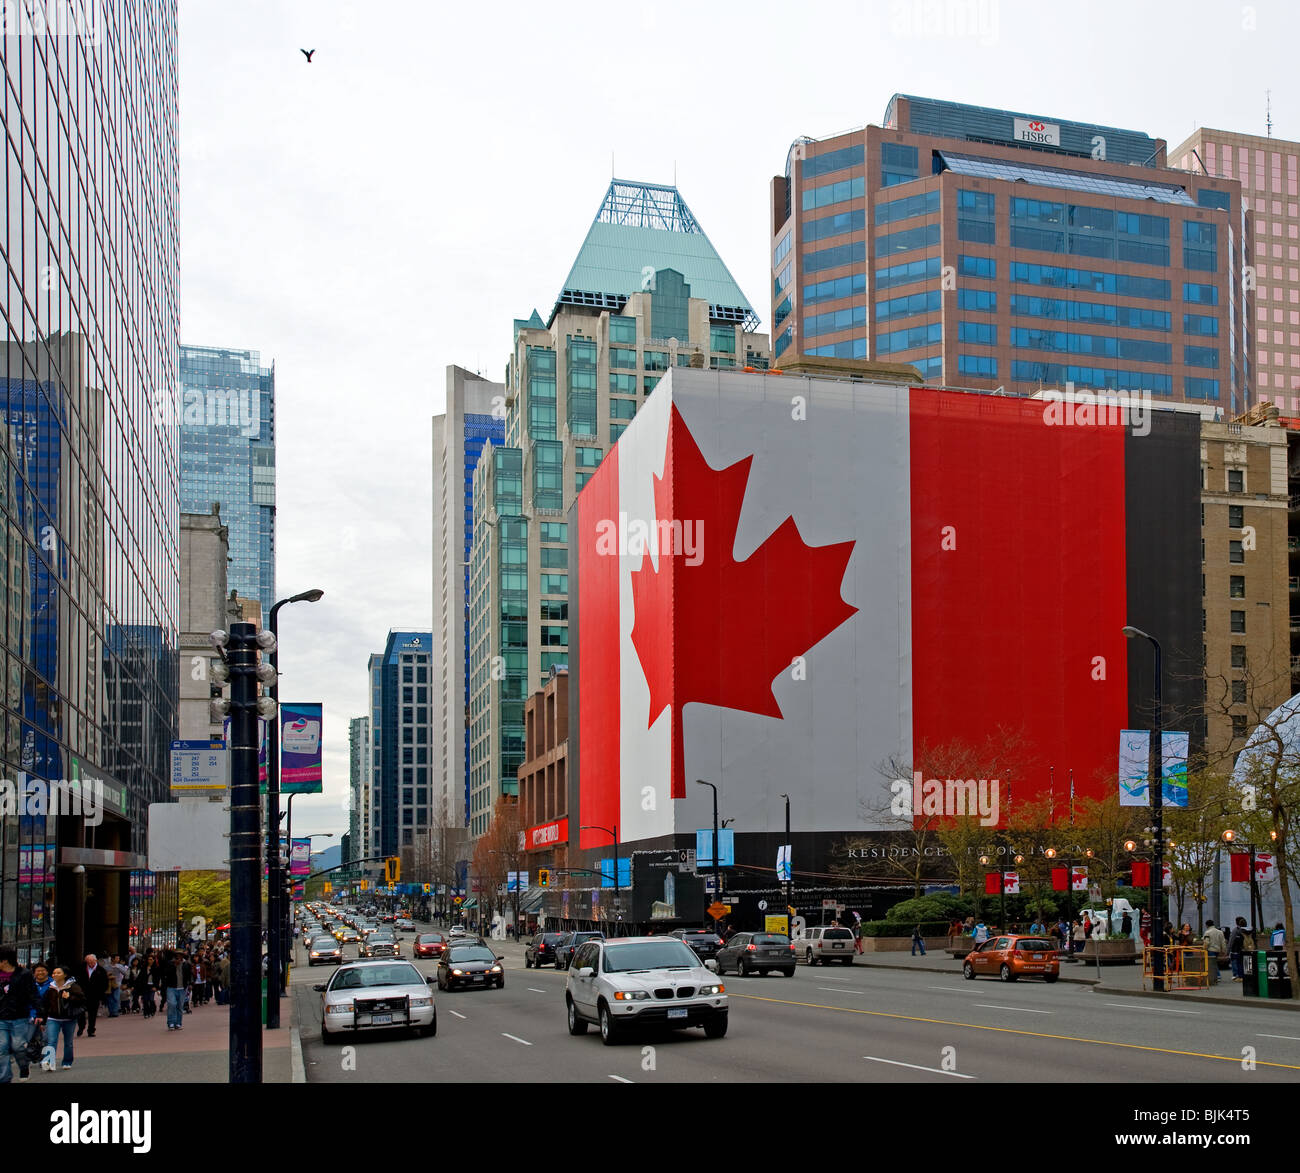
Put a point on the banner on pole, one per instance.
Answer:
(300, 748)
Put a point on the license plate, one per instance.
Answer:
(480, 977)
(837, 945)
(380, 1019)
(1038, 957)
(677, 1013)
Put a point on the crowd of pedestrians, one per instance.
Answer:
(52, 1004)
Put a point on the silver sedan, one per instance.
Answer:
(364, 995)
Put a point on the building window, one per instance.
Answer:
(1236, 480)
(1235, 552)
(1237, 622)
(621, 357)
(1236, 516)
(721, 339)
(1238, 692)
(1238, 726)
(898, 164)
(1238, 655)
(620, 384)
(1237, 586)
(622, 329)
(625, 409)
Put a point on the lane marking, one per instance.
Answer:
(915, 1067)
(1007, 1030)
(535, 990)
(1022, 1009)
(458, 1014)
(620, 1079)
(952, 989)
(826, 977)
(1161, 1009)
(833, 990)
(517, 1039)
(1293, 1038)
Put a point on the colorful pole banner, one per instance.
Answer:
(300, 748)
(1134, 767)
(1011, 885)
(1173, 768)
(261, 749)
(1079, 879)
(300, 858)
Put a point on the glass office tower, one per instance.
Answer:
(89, 471)
(228, 455)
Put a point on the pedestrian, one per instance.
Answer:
(857, 937)
(200, 979)
(93, 981)
(1185, 935)
(146, 984)
(981, 933)
(1278, 937)
(1236, 947)
(61, 1007)
(133, 982)
(1087, 925)
(117, 973)
(1216, 947)
(1145, 930)
(18, 1001)
(1077, 936)
(918, 939)
(223, 967)
(1126, 924)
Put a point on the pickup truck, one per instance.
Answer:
(825, 943)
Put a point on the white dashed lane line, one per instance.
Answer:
(517, 1039)
(535, 990)
(1161, 1009)
(917, 1067)
(1022, 1009)
(458, 1014)
(620, 1079)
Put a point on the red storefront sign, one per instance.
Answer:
(547, 835)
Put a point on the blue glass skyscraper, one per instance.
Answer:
(227, 419)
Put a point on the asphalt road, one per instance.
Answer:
(827, 1024)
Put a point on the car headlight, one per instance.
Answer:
(496, 969)
(630, 995)
(421, 1002)
(339, 1008)
(458, 973)
(713, 989)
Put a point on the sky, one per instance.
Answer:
(370, 217)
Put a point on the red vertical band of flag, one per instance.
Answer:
(1141, 873)
(992, 884)
(1239, 861)
(1060, 879)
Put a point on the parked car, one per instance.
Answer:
(565, 949)
(1013, 957)
(372, 994)
(632, 982)
(759, 953)
(541, 950)
(705, 943)
(825, 943)
(470, 965)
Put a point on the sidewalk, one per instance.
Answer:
(1115, 979)
(129, 1049)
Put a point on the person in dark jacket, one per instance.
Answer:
(93, 980)
(17, 1001)
(174, 978)
(61, 1007)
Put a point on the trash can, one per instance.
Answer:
(1277, 974)
(1254, 974)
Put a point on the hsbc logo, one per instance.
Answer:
(1034, 130)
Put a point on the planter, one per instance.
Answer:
(1123, 952)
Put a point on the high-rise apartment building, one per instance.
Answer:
(89, 468)
(1267, 170)
(647, 292)
(360, 759)
(227, 419)
(995, 249)
(474, 417)
(401, 726)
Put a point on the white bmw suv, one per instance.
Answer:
(627, 982)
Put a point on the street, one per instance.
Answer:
(830, 1025)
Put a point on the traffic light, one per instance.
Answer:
(543, 877)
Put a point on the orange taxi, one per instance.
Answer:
(1012, 957)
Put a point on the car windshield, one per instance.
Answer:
(364, 976)
(1032, 945)
(428, 938)
(838, 935)
(472, 953)
(770, 939)
(324, 943)
(663, 954)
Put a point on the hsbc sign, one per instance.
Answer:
(1032, 130)
(547, 834)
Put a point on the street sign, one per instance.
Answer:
(830, 904)
(775, 924)
(198, 765)
(717, 910)
(710, 885)
(458, 900)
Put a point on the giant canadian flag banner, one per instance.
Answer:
(782, 583)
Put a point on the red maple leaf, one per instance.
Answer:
(719, 632)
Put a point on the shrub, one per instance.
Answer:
(939, 906)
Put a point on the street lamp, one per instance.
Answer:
(1156, 785)
(274, 878)
(789, 869)
(618, 922)
(717, 873)
(1256, 902)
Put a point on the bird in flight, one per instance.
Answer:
(307, 53)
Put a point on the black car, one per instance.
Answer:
(568, 944)
(470, 965)
(759, 953)
(704, 943)
(541, 950)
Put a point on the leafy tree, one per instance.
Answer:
(205, 894)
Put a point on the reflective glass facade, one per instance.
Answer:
(89, 465)
(401, 722)
(228, 455)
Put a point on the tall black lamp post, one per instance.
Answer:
(275, 872)
(1156, 785)
(789, 869)
(717, 870)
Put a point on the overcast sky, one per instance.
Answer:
(369, 218)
